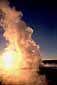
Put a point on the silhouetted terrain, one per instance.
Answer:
(49, 69)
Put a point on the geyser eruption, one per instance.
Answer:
(19, 63)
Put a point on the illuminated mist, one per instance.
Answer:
(19, 63)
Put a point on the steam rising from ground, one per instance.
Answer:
(20, 41)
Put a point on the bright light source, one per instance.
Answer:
(7, 61)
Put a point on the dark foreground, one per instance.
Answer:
(49, 69)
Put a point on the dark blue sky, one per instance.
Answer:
(42, 17)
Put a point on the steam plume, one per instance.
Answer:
(19, 36)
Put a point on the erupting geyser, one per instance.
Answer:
(20, 60)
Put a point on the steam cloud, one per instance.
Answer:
(19, 35)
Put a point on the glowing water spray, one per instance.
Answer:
(20, 59)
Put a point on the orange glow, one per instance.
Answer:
(20, 58)
(11, 63)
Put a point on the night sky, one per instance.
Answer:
(42, 17)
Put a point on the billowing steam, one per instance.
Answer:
(20, 60)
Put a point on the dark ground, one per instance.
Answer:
(50, 71)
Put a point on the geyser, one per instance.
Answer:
(19, 63)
